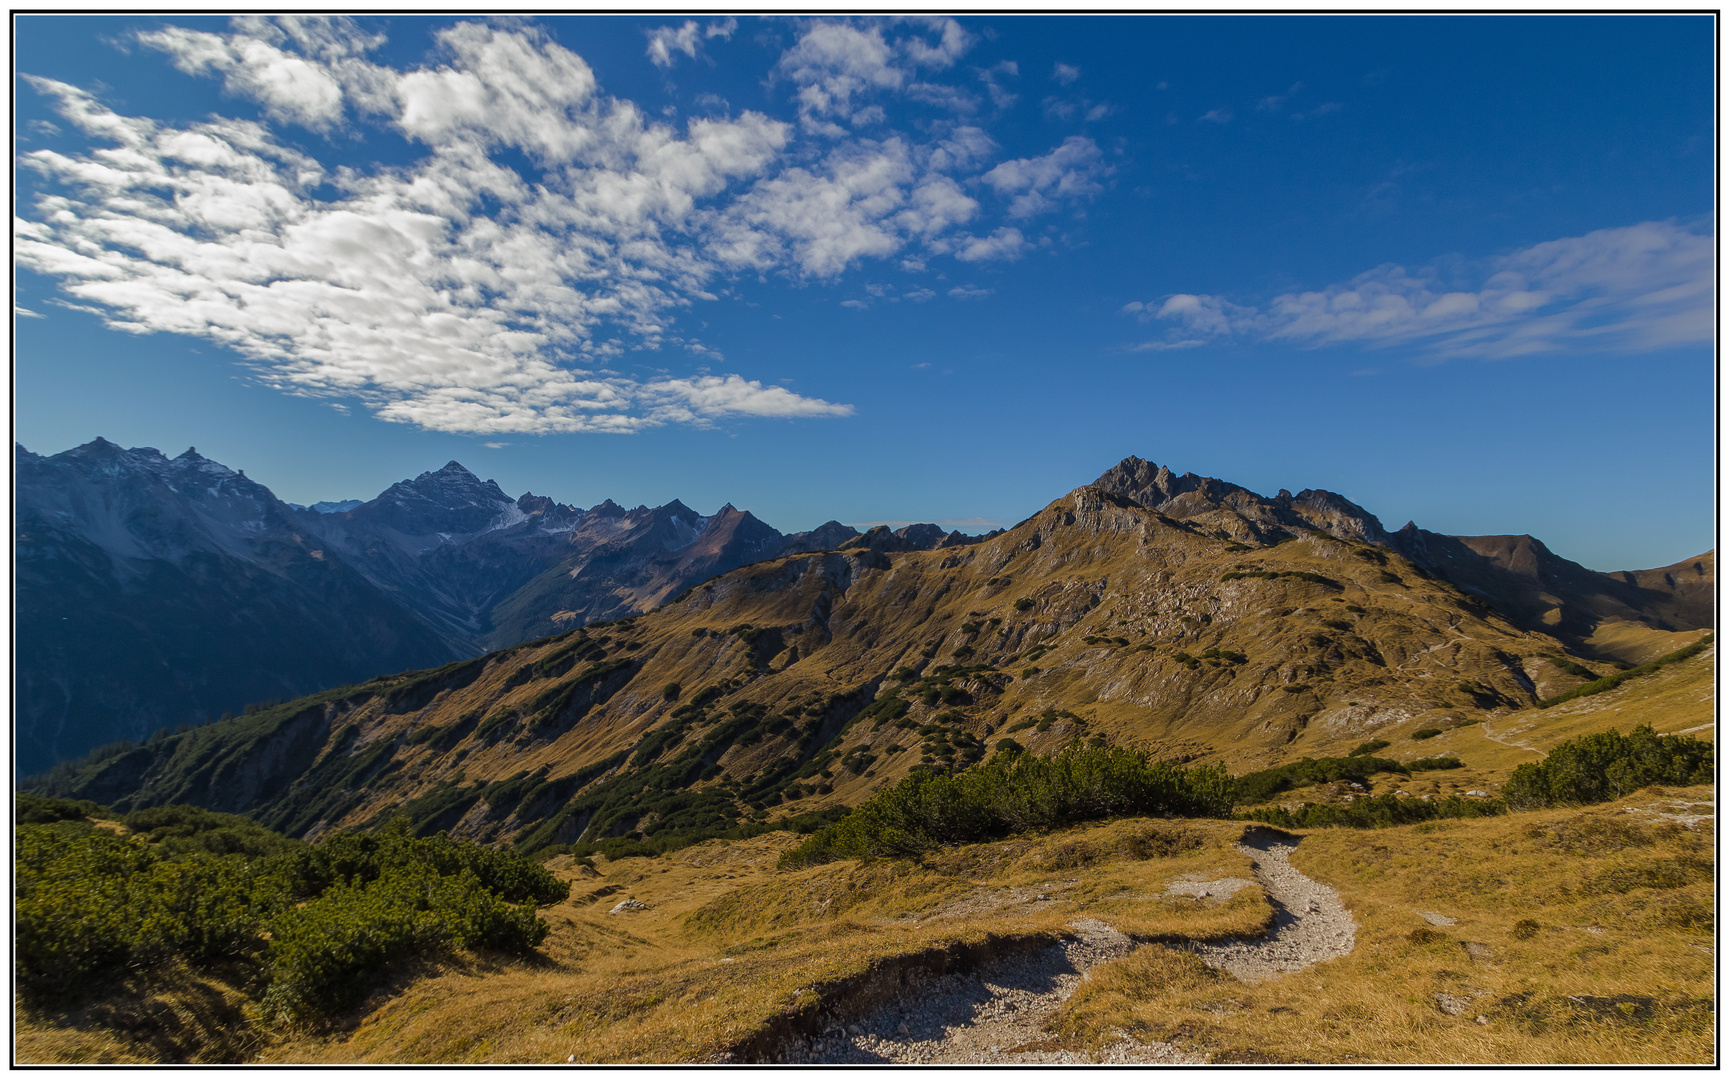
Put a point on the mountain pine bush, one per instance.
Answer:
(319, 924)
(1012, 792)
(1608, 765)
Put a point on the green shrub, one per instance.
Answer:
(1024, 604)
(1012, 792)
(670, 692)
(1430, 764)
(94, 904)
(1261, 786)
(40, 810)
(1271, 575)
(1607, 765)
(1577, 670)
(1369, 748)
(201, 888)
(1426, 733)
(326, 954)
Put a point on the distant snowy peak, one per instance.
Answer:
(339, 506)
(191, 476)
(546, 515)
(450, 502)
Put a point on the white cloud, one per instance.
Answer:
(664, 41)
(837, 65)
(537, 231)
(1034, 185)
(399, 288)
(1065, 74)
(968, 292)
(993, 77)
(965, 148)
(1631, 289)
(23, 312)
(290, 87)
(1215, 116)
(1003, 243)
(1276, 102)
(710, 396)
(821, 220)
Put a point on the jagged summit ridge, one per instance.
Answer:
(1236, 511)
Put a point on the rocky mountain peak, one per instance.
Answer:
(825, 537)
(1158, 488)
(449, 501)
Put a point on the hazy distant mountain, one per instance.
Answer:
(156, 592)
(153, 592)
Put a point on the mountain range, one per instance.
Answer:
(154, 592)
(1180, 615)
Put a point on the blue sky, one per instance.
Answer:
(1458, 269)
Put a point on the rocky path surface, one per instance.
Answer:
(1310, 923)
(997, 1013)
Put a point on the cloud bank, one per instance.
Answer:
(544, 230)
(1638, 288)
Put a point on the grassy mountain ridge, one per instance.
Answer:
(805, 683)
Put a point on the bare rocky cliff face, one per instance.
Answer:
(1536, 588)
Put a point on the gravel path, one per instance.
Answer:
(997, 1013)
(1310, 923)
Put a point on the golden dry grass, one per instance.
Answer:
(728, 944)
(166, 1015)
(1612, 906)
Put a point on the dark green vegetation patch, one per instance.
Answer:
(316, 926)
(1261, 786)
(1013, 792)
(1608, 765)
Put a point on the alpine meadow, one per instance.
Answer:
(1001, 650)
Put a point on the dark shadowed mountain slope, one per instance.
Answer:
(1604, 614)
(153, 592)
(620, 562)
(159, 593)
